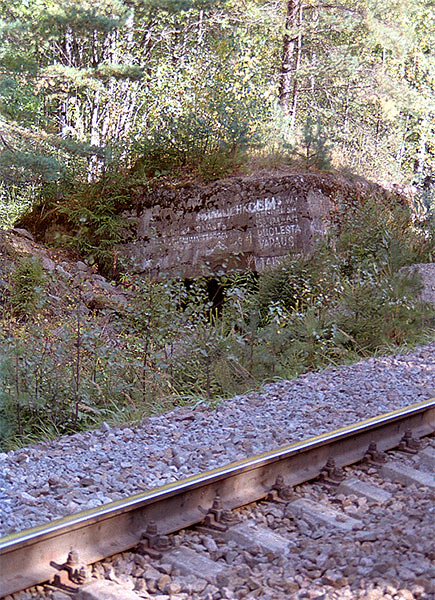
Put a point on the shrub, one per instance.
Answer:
(209, 142)
(93, 214)
(25, 287)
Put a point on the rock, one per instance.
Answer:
(104, 590)
(214, 227)
(172, 588)
(404, 594)
(23, 233)
(29, 499)
(85, 481)
(48, 264)
(290, 586)
(210, 544)
(140, 585)
(163, 581)
(63, 272)
(60, 596)
(151, 574)
(426, 273)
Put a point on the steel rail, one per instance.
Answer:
(95, 534)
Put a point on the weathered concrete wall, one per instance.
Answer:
(250, 222)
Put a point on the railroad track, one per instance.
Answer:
(42, 553)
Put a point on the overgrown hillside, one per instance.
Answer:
(77, 349)
(105, 219)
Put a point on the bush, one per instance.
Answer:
(301, 281)
(26, 286)
(380, 237)
(93, 213)
(14, 201)
(89, 214)
(210, 142)
(351, 295)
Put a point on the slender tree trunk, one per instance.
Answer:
(67, 59)
(17, 391)
(298, 56)
(313, 61)
(346, 111)
(144, 370)
(94, 164)
(401, 152)
(289, 55)
(200, 28)
(421, 157)
(378, 127)
(77, 365)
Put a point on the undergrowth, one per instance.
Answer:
(88, 216)
(172, 345)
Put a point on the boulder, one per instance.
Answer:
(426, 272)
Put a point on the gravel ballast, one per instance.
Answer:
(53, 479)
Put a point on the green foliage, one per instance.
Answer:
(15, 166)
(210, 139)
(14, 201)
(316, 146)
(353, 295)
(377, 310)
(197, 84)
(26, 286)
(302, 281)
(387, 237)
(17, 101)
(193, 86)
(92, 215)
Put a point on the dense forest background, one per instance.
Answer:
(210, 86)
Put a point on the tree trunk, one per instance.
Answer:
(421, 156)
(297, 64)
(401, 151)
(289, 49)
(200, 35)
(94, 163)
(64, 108)
(313, 61)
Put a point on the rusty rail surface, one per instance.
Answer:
(95, 534)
